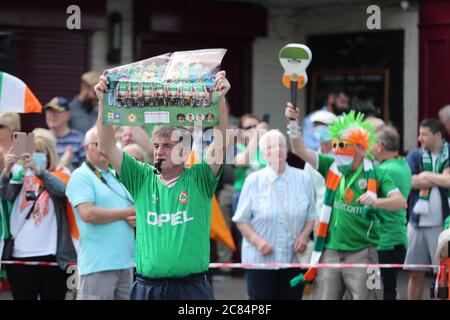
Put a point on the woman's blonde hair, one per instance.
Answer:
(44, 140)
(11, 120)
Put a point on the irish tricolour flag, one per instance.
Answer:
(15, 96)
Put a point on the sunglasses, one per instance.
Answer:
(340, 144)
(250, 127)
(94, 143)
(2, 126)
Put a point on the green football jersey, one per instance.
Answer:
(172, 223)
(186, 88)
(173, 88)
(348, 229)
(393, 228)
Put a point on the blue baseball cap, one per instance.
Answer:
(59, 104)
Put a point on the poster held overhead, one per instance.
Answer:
(170, 89)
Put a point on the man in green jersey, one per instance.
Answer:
(393, 236)
(173, 209)
(347, 230)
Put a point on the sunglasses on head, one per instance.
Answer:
(2, 126)
(340, 144)
(250, 127)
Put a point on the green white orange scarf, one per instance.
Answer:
(422, 206)
(332, 182)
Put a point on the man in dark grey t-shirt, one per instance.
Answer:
(83, 107)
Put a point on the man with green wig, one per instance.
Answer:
(347, 229)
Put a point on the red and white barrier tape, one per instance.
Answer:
(318, 266)
(35, 263)
(264, 265)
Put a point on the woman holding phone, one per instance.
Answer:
(38, 221)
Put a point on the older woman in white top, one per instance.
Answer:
(275, 214)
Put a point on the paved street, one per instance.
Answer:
(233, 288)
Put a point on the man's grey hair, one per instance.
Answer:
(270, 136)
(445, 111)
(388, 136)
(168, 131)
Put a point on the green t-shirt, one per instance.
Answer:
(159, 88)
(172, 224)
(348, 229)
(393, 228)
(447, 222)
(5, 212)
(240, 173)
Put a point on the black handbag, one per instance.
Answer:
(8, 244)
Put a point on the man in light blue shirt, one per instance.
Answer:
(105, 216)
(337, 103)
(276, 215)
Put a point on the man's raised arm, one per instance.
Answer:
(106, 143)
(221, 85)
(298, 147)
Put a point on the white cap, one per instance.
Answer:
(324, 117)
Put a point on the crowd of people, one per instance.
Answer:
(136, 219)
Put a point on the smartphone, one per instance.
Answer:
(266, 117)
(23, 143)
